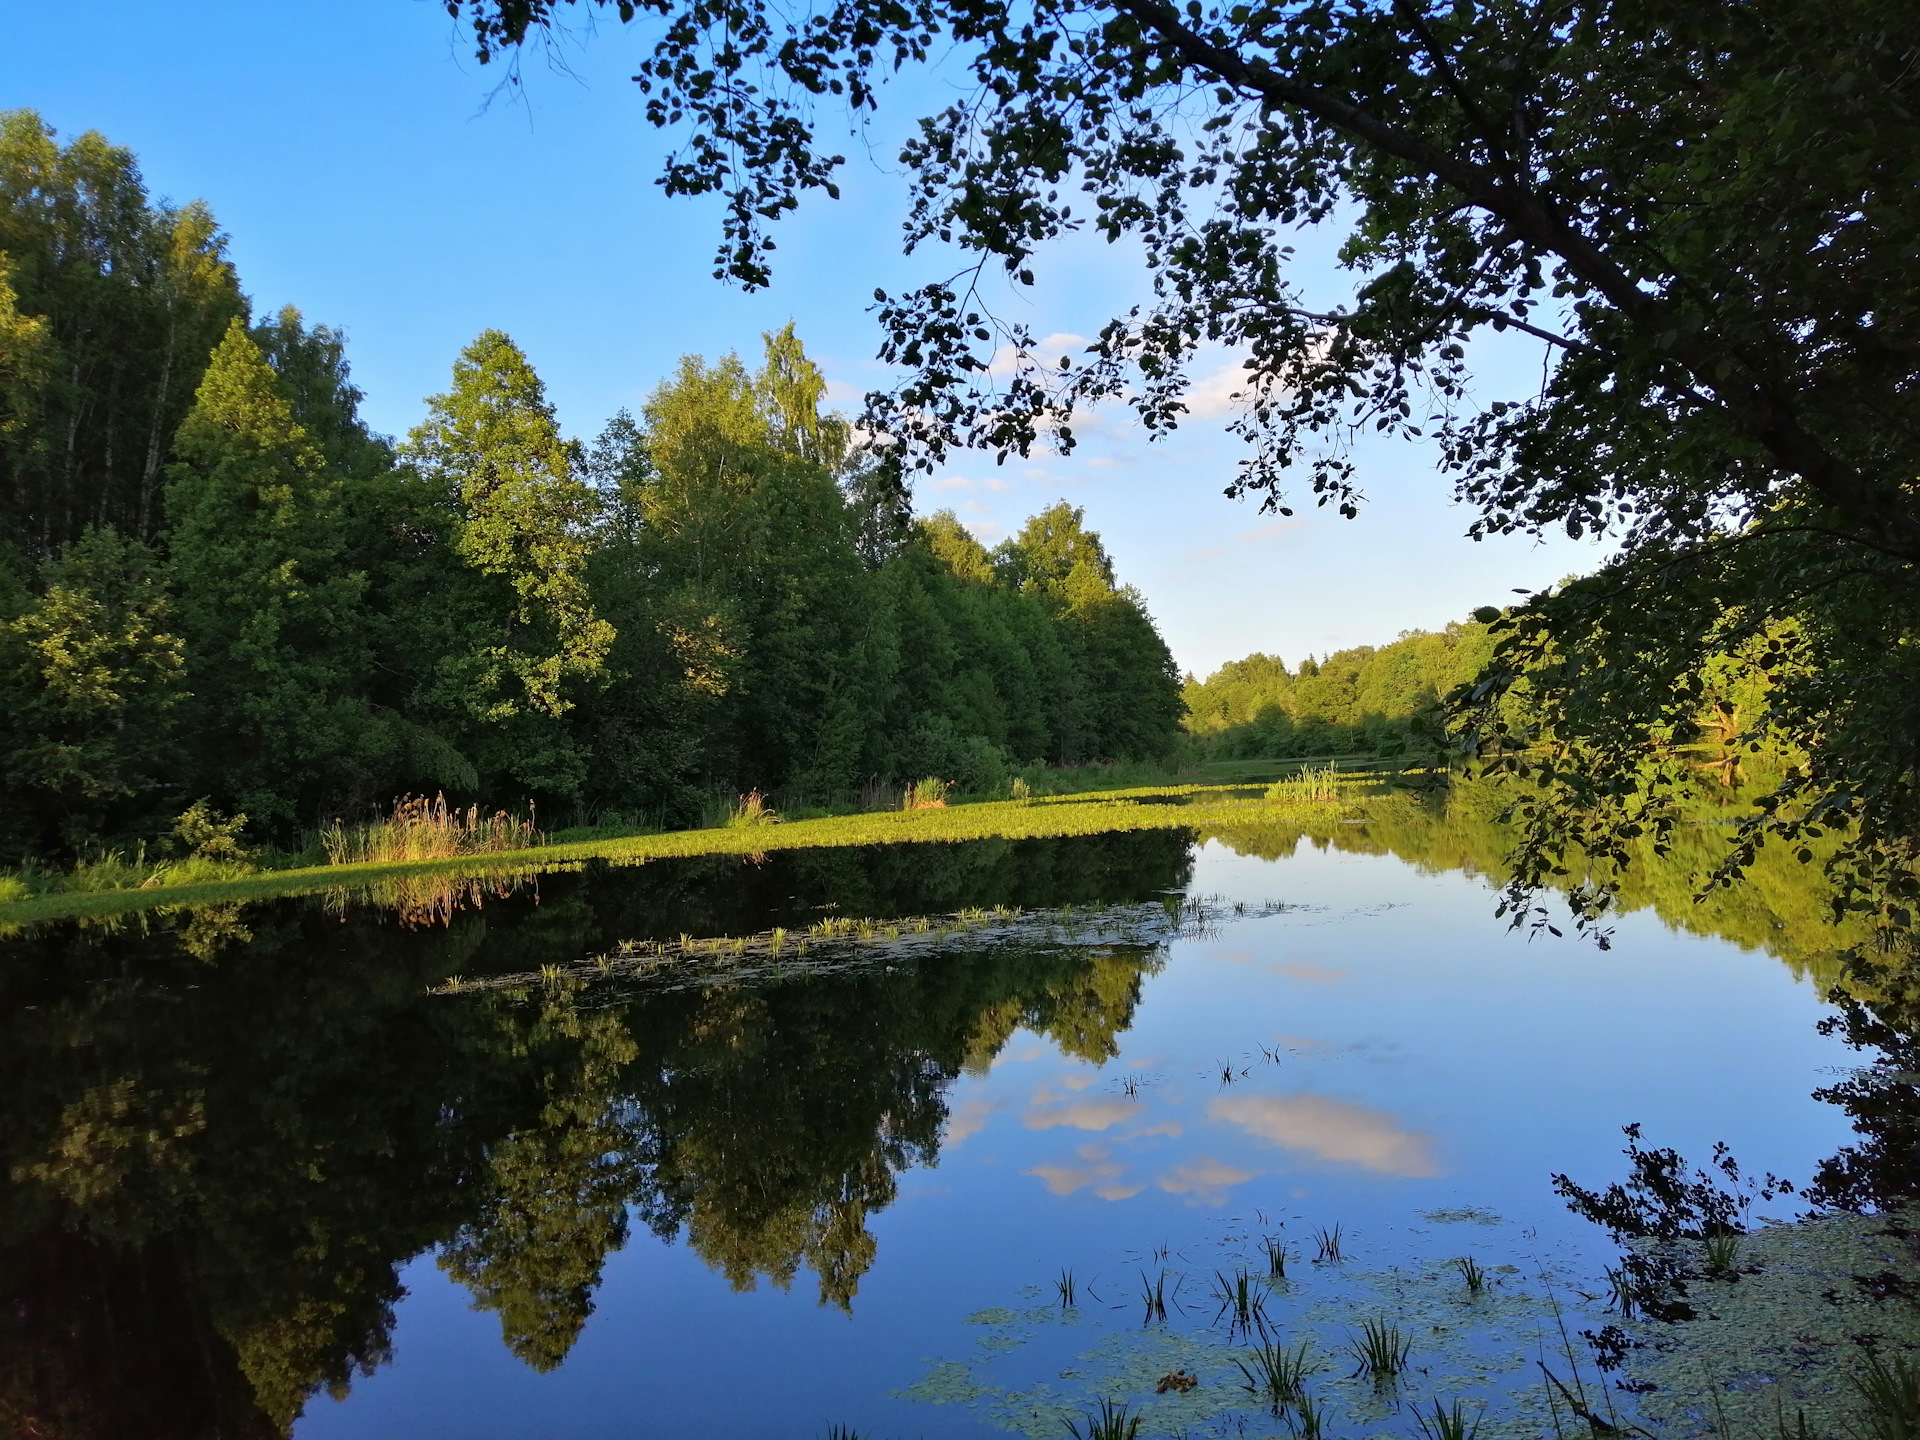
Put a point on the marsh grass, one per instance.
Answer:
(1276, 1253)
(1889, 1392)
(423, 829)
(1381, 1349)
(1242, 1299)
(1154, 1293)
(1722, 1250)
(1445, 1422)
(1327, 1245)
(753, 810)
(1309, 785)
(928, 794)
(1276, 1375)
(1069, 1293)
(1471, 1274)
(1109, 1422)
(1308, 1420)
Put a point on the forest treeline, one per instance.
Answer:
(1376, 700)
(216, 582)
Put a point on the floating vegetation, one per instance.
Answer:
(1381, 1350)
(839, 941)
(1327, 1245)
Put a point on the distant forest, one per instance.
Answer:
(216, 582)
(1374, 700)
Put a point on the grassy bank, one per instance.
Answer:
(1164, 807)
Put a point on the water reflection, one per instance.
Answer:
(227, 1130)
(219, 1154)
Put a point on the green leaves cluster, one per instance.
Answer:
(1695, 216)
(294, 619)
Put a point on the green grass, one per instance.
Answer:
(1381, 1350)
(1202, 807)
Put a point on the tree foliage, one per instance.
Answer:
(1696, 212)
(294, 618)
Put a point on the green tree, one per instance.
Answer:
(131, 299)
(1693, 214)
(90, 679)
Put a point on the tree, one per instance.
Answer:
(274, 649)
(1697, 212)
(503, 607)
(130, 298)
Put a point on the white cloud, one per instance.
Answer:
(1335, 1130)
(1203, 1179)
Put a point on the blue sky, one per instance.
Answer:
(353, 153)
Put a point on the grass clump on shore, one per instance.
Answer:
(423, 829)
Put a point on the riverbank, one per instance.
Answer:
(1164, 807)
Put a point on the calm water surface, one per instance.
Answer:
(254, 1158)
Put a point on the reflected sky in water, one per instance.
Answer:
(1384, 1053)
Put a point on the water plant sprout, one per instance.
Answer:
(1275, 1374)
(1276, 1252)
(1449, 1422)
(1154, 1293)
(1472, 1274)
(1240, 1299)
(1327, 1244)
(1109, 1422)
(1722, 1254)
(1069, 1295)
(1381, 1350)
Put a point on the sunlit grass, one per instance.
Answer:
(1204, 808)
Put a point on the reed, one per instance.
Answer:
(1449, 1422)
(1109, 1422)
(1381, 1350)
(1276, 1251)
(1722, 1254)
(1472, 1274)
(423, 829)
(753, 810)
(1069, 1294)
(1309, 785)
(1889, 1392)
(1327, 1245)
(1241, 1299)
(1154, 1293)
(1275, 1375)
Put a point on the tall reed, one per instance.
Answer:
(423, 829)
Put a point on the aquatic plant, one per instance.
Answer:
(1109, 1422)
(1472, 1274)
(1722, 1250)
(1327, 1245)
(1154, 1293)
(1241, 1299)
(1380, 1348)
(1889, 1392)
(1309, 785)
(1276, 1375)
(1307, 1420)
(1448, 1422)
(1276, 1252)
(1065, 1286)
